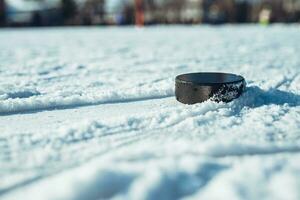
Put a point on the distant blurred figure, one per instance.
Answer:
(2, 13)
(265, 16)
(69, 10)
(36, 19)
(127, 17)
(242, 9)
(91, 12)
(139, 13)
(215, 12)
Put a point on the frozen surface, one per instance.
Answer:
(90, 113)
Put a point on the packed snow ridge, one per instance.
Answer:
(90, 113)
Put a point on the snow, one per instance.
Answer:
(90, 113)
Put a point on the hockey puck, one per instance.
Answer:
(198, 87)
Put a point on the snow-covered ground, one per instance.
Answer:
(90, 113)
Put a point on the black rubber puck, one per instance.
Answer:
(198, 87)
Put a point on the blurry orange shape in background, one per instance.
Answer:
(139, 13)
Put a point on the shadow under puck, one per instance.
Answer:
(198, 87)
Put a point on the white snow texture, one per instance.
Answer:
(90, 113)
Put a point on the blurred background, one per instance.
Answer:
(19, 13)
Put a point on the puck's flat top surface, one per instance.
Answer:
(209, 78)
